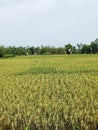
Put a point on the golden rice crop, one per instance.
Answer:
(57, 92)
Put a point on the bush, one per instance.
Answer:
(8, 56)
(1, 55)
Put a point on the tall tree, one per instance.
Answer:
(69, 49)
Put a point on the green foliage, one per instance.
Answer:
(69, 49)
(43, 50)
(91, 48)
(31, 50)
(2, 51)
(8, 55)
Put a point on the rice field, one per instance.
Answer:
(58, 92)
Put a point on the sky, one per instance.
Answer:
(48, 22)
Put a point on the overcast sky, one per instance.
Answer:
(48, 22)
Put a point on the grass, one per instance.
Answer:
(58, 92)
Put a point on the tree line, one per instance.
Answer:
(11, 51)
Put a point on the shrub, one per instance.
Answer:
(8, 56)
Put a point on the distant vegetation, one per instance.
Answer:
(92, 48)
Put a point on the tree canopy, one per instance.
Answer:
(91, 48)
